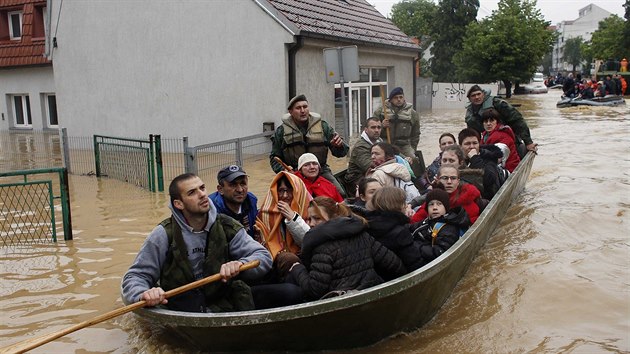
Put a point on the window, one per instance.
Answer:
(15, 25)
(22, 111)
(51, 110)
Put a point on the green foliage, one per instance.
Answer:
(449, 29)
(626, 28)
(508, 45)
(608, 41)
(573, 51)
(414, 17)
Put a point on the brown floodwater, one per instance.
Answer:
(554, 277)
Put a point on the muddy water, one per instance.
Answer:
(555, 277)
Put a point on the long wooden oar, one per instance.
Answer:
(284, 165)
(29, 344)
(389, 138)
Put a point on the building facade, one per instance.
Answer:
(214, 70)
(583, 26)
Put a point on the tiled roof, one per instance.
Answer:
(355, 20)
(26, 51)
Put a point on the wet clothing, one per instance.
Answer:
(247, 215)
(404, 127)
(464, 196)
(174, 255)
(290, 141)
(509, 116)
(432, 247)
(503, 134)
(391, 228)
(321, 187)
(340, 255)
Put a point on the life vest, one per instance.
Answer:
(401, 123)
(296, 143)
(234, 295)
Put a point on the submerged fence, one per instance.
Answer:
(81, 155)
(28, 205)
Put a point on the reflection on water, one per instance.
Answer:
(554, 277)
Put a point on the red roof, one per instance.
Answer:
(28, 50)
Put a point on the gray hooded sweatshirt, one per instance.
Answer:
(145, 271)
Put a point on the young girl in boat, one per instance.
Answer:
(496, 132)
(442, 227)
(338, 254)
(460, 194)
(389, 225)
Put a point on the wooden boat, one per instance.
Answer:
(610, 100)
(352, 320)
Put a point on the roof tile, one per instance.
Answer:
(349, 19)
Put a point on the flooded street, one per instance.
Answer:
(555, 276)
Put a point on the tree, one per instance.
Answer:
(509, 45)
(449, 28)
(573, 51)
(607, 41)
(416, 18)
(626, 29)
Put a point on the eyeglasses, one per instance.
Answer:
(449, 178)
(285, 191)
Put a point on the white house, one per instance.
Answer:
(584, 26)
(214, 70)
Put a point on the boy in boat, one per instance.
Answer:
(442, 227)
(195, 242)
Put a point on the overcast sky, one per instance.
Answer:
(555, 11)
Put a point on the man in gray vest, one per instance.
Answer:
(195, 242)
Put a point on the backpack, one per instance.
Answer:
(436, 230)
(410, 189)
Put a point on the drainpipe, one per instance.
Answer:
(293, 49)
(414, 62)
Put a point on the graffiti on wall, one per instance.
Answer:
(452, 92)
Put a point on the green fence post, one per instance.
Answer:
(150, 164)
(97, 157)
(158, 163)
(64, 185)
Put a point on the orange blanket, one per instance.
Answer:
(269, 219)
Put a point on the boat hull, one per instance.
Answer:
(598, 101)
(353, 320)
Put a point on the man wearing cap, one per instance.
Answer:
(402, 122)
(481, 100)
(194, 243)
(233, 199)
(304, 131)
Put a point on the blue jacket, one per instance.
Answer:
(249, 205)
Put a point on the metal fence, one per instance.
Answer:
(28, 200)
(22, 150)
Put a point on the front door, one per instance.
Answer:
(359, 109)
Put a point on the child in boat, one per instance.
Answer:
(496, 132)
(442, 227)
(389, 225)
(338, 254)
(366, 189)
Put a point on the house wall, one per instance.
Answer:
(34, 81)
(209, 70)
(311, 77)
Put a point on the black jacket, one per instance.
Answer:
(391, 228)
(454, 221)
(487, 161)
(340, 255)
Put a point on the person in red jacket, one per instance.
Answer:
(496, 132)
(309, 171)
(460, 194)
